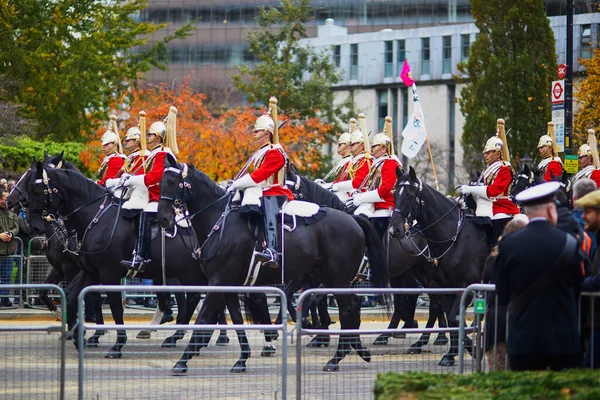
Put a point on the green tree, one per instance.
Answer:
(300, 76)
(71, 59)
(509, 73)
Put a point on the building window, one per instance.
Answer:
(400, 54)
(447, 55)
(586, 41)
(382, 109)
(465, 45)
(337, 53)
(425, 56)
(354, 61)
(389, 59)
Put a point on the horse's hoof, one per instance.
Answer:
(180, 368)
(331, 367)
(92, 342)
(382, 340)
(446, 361)
(318, 341)
(414, 350)
(169, 342)
(143, 335)
(440, 340)
(222, 340)
(268, 350)
(239, 367)
(365, 354)
(166, 318)
(113, 354)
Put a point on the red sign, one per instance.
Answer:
(557, 91)
(562, 71)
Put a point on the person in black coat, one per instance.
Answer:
(540, 289)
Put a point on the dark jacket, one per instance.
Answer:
(8, 223)
(548, 324)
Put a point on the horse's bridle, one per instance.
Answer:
(177, 203)
(408, 218)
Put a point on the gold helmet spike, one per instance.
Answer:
(502, 135)
(171, 134)
(352, 125)
(387, 129)
(113, 127)
(142, 122)
(593, 147)
(551, 134)
(273, 112)
(362, 125)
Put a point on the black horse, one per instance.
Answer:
(528, 177)
(406, 264)
(106, 238)
(458, 247)
(309, 249)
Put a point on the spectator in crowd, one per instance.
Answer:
(10, 185)
(495, 323)
(538, 278)
(590, 204)
(9, 229)
(581, 188)
(3, 184)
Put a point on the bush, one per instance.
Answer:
(570, 384)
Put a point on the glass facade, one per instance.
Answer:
(585, 48)
(465, 45)
(447, 55)
(425, 56)
(389, 59)
(354, 61)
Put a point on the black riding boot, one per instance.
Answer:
(270, 255)
(142, 245)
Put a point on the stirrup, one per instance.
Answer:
(267, 258)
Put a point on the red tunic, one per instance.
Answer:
(500, 186)
(388, 180)
(155, 173)
(343, 174)
(270, 166)
(595, 176)
(113, 167)
(555, 168)
(135, 164)
(362, 168)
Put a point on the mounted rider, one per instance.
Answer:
(340, 171)
(266, 183)
(135, 146)
(359, 168)
(161, 140)
(377, 202)
(493, 186)
(113, 154)
(551, 165)
(588, 159)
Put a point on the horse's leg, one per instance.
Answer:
(321, 321)
(223, 339)
(209, 313)
(416, 348)
(259, 310)
(93, 302)
(54, 277)
(233, 305)
(186, 305)
(383, 339)
(163, 305)
(355, 341)
(451, 304)
(116, 308)
(438, 310)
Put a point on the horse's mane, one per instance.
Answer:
(313, 192)
(74, 178)
(205, 181)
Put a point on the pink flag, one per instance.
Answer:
(406, 75)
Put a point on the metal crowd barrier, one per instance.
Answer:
(355, 378)
(33, 355)
(145, 367)
(16, 279)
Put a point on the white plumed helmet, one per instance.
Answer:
(380, 138)
(545, 140)
(133, 133)
(264, 122)
(110, 137)
(344, 138)
(493, 143)
(584, 150)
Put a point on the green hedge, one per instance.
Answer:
(571, 384)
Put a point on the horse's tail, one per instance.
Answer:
(375, 252)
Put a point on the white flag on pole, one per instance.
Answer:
(414, 134)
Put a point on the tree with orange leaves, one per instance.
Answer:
(218, 145)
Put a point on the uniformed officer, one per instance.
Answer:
(161, 140)
(340, 171)
(494, 183)
(113, 154)
(588, 159)
(551, 165)
(377, 202)
(539, 273)
(267, 180)
(359, 169)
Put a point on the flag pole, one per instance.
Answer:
(435, 179)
